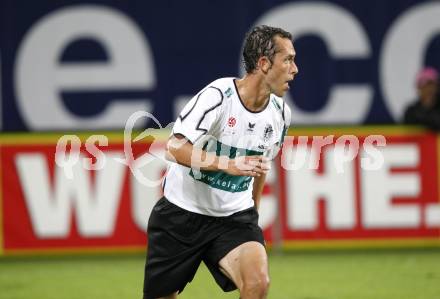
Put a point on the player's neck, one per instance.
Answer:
(253, 92)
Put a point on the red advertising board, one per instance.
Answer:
(333, 187)
(39, 215)
(395, 204)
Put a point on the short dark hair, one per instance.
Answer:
(260, 42)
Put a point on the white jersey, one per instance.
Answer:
(217, 120)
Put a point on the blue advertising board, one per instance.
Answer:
(77, 65)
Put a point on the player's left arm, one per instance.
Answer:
(258, 189)
(259, 181)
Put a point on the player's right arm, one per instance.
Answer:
(196, 119)
(182, 151)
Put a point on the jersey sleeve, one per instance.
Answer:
(200, 114)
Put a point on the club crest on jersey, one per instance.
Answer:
(231, 122)
(251, 127)
(268, 132)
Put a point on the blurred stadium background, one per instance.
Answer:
(81, 68)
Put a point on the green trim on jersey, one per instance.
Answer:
(274, 102)
(219, 179)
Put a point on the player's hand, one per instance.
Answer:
(254, 166)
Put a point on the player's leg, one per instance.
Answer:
(237, 257)
(174, 254)
(247, 266)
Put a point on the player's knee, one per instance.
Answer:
(258, 284)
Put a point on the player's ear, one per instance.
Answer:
(264, 64)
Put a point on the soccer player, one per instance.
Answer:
(222, 144)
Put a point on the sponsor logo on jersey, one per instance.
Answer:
(219, 179)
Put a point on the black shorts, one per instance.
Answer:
(178, 240)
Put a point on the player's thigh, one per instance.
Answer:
(247, 262)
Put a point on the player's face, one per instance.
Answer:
(283, 67)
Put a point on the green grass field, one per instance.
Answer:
(383, 274)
